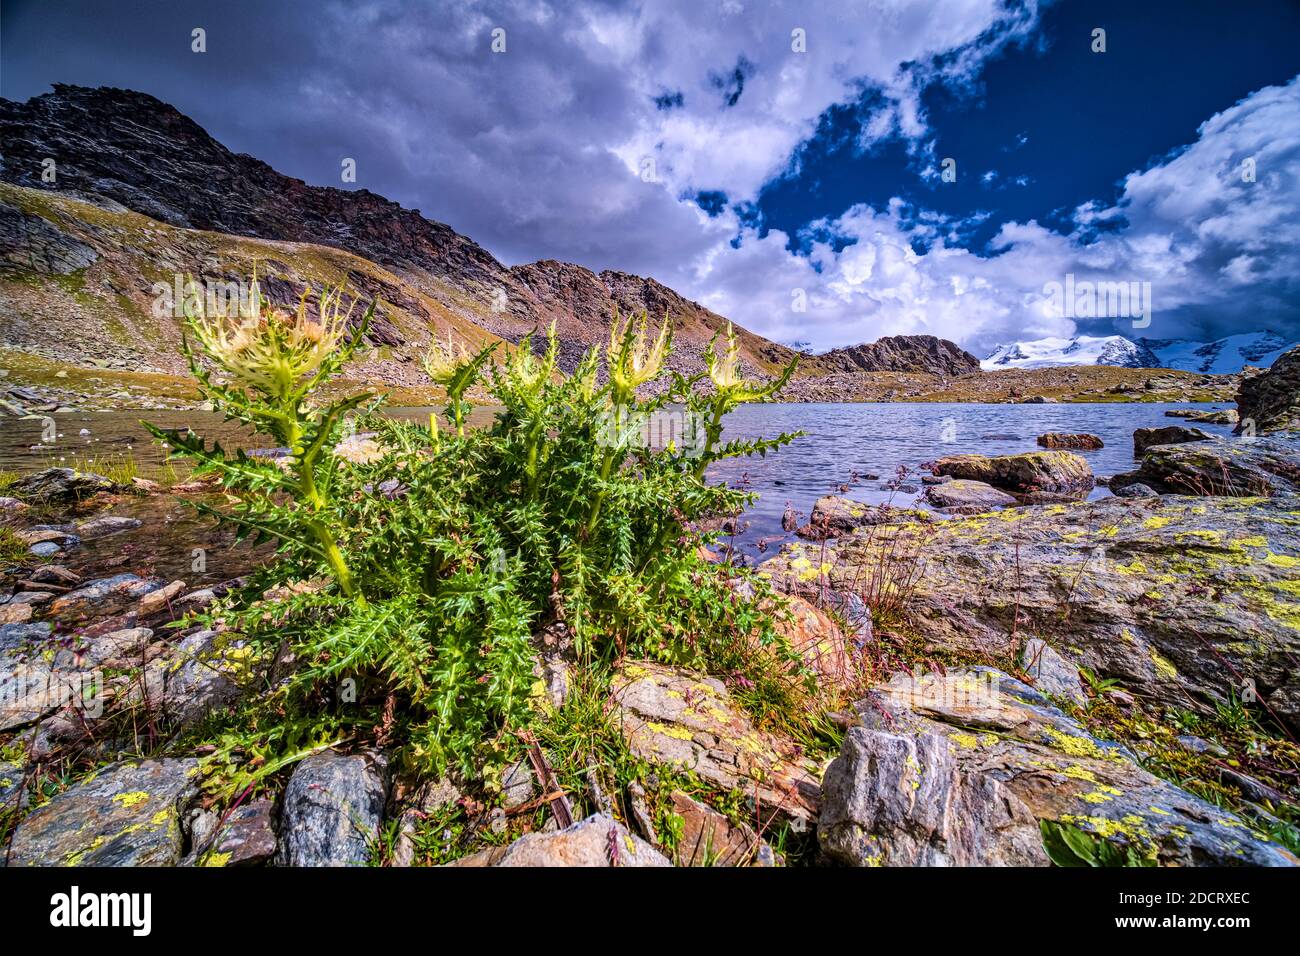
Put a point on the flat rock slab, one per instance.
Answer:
(966, 494)
(103, 597)
(1032, 472)
(1218, 467)
(332, 808)
(960, 768)
(125, 815)
(1179, 599)
(677, 717)
(833, 515)
(1144, 438)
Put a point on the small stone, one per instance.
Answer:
(1136, 490)
(1199, 745)
(155, 601)
(33, 598)
(598, 841)
(103, 597)
(15, 613)
(709, 838)
(332, 809)
(105, 525)
(248, 835)
(518, 785)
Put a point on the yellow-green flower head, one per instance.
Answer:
(724, 369)
(440, 363)
(272, 350)
(631, 362)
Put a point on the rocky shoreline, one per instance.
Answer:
(1003, 661)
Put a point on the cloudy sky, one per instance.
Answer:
(762, 156)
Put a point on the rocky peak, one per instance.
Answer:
(903, 353)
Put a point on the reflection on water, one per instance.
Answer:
(840, 439)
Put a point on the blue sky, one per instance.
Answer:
(778, 162)
(1049, 125)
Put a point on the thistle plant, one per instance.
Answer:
(455, 369)
(632, 363)
(463, 546)
(731, 389)
(277, 361)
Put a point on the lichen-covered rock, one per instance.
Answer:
(37, 678)
(673, 716)
(1070, 440)
(970, 497)
(960, 768)
(1178, 599)
(1059, 472)
(598, 841)
(833, 515)
(1144, 438)
(1240, 468)
(1270, 401)
(1220, 416)
(206, 671)
(124, 815)
(56, 485)
(332, 808)
(12, 794)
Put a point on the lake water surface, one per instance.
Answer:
(839, 440)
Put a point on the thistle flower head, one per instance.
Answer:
(441, 363)
(724, 369)
(269, 349)
(632, 361)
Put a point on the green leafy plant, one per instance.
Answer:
(1067, 845)
(417, 564)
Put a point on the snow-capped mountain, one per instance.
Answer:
(1222, 356)
(1080, 350)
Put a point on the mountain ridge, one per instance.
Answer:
(192, 181)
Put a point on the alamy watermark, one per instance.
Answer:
(186, 298)
(1101, 300)
(679, 430)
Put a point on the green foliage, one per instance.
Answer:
(1099, 685)
(13, 549)
(1067, 845)
(415, 565)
